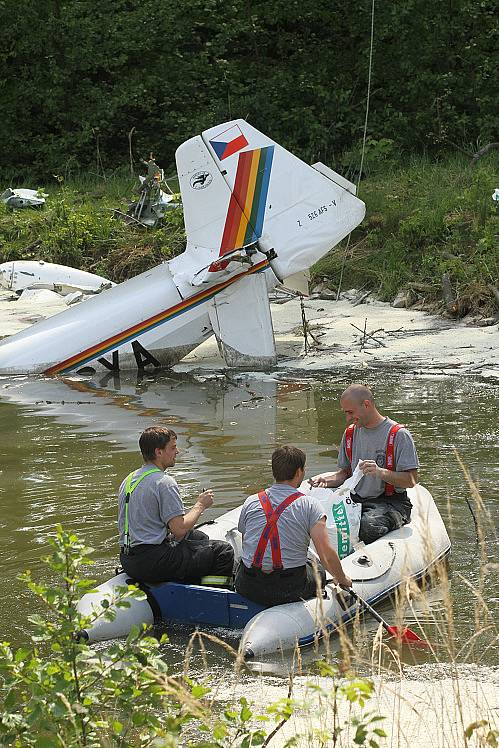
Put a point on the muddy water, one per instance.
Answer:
(66, 445)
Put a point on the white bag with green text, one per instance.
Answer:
(342, 514)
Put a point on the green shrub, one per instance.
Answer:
(61, 693)
(424, 220)
(77, 227)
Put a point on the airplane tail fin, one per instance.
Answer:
(241, 188)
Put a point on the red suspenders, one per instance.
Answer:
(270, 531)
(390, 450)
(349, 443)
(390, 455)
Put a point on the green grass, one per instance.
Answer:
(423, 220)
(77, 227)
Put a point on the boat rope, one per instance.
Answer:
(368, 99)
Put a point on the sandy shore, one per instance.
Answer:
(341, 335)
(423, 712)
(401, 338)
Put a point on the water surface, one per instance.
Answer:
(67, 444)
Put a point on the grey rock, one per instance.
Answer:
(327, 295)
(319, 288)
(400, 300)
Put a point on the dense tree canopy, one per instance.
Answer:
(77, 75)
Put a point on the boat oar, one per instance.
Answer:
(405, 635)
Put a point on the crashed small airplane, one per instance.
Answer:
(254, 214)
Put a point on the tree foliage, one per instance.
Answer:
(76, 76)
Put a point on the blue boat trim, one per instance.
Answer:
(202, 605)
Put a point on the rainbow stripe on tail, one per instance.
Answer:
(244, 222)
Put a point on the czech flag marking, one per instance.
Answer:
(228, 142)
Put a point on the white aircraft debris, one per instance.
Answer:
(23, 198)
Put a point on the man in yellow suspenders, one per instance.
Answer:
(388, 461)
(158, 542)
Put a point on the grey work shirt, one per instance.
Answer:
(370, 444)
(294, 526)
(154, 502)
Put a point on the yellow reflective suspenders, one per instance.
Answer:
(129, 489)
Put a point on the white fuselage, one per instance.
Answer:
(142, 322)
(17, 275)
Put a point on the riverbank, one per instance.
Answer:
(431, 709)
(430, 233)
(361, 337)
(339, 335)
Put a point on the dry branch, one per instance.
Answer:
(482, 152)
(368, 335)
(448, 295)
(361, 299)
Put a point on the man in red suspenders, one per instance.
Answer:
(277, 525)
(157, 539)
(388, 460)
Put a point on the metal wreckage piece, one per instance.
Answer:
(153, 201)
(23, 198)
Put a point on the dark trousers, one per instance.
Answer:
(382, 515)
(278, 587)
(194, 557)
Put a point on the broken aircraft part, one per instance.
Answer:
(17, 275)
(23, 198)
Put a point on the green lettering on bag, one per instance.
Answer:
(340, 518)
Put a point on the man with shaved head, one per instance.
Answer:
(387, 458)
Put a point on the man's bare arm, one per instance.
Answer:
(330, 480)
(399, 479)
(181, 525)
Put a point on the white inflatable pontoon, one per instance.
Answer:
(376, 570)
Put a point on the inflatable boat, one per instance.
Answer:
(376, 570)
